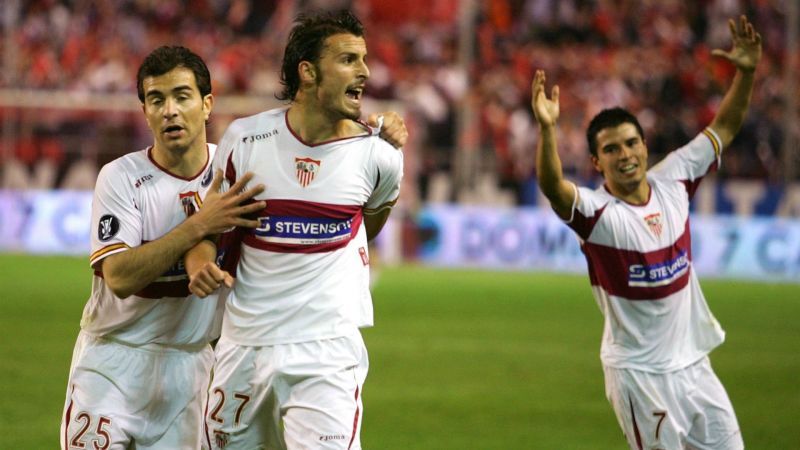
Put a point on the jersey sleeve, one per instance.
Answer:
(693, 161)
(388, 164)
(116, 219)
(228, 157)
(587, 208)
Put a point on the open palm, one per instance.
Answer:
(546, 110)
(746, 50)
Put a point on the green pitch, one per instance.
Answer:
(459, 359)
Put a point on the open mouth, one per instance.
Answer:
(628, 168)
(173, 130)
(354, 93)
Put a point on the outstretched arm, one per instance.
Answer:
(745, 54)
(559, 191)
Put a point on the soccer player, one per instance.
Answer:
(634, 232)
(291, 362)
(141, 363)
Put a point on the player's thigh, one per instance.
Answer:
(242, 411)
(715, 426)
(90, 418)
(325, 410)
(185, 432)
(646, 409)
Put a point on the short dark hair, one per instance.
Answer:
(165, 58)
(306, 41)
(610, 118)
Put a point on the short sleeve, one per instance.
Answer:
(116, 220)
(388, 163)
(692, 161)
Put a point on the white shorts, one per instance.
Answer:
(688, 408)
(121, 397)
(288, 396)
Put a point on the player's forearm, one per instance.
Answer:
(204, 252)
(131, 271)
(734, 107)
(373, 223)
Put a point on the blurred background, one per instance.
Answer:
(473, 266)
(458, 71)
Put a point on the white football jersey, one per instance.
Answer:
(135, 202)
(640, 265)
(304, 273)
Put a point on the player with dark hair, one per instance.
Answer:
(141, 363)
(634, 232)
(291, 362)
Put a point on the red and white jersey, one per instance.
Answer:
(137, 201)
(304, 273)
(640, 265)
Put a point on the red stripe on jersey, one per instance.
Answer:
(230, 171)
(304, 209)
(611, 268)
(160, 289)
(583, 225)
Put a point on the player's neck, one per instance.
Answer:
(313, 126)
(637, 194)
(185, 163)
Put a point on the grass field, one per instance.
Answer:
(459, 359)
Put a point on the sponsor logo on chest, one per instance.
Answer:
(658, 274)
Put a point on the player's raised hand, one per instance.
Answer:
(546, 110)
(393, 130)
(746, 50)
(222, 211)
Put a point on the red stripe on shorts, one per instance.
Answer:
(355, 422)
(67, 417)
(635, 427)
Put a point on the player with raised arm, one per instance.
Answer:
(291, 362)
(141, 363)
(634, 232)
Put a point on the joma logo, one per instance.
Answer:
(259, 137)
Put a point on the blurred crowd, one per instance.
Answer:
(461, 70)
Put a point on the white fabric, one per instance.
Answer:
(640, 266)
(688, 408)
(288, 396)
(135, 202)
(116, 396)
(304, 274)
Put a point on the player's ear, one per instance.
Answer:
(596, 163)
(307, 72)
(208, 105)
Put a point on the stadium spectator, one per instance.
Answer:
(634, 231)
(291, 362)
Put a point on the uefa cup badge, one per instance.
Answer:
(307, 168)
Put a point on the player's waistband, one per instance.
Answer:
(150, 347)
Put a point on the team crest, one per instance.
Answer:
(307, 168)
(190, 202)
(654, 223)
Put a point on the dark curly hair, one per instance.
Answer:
(306, 41)
(165, 58)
